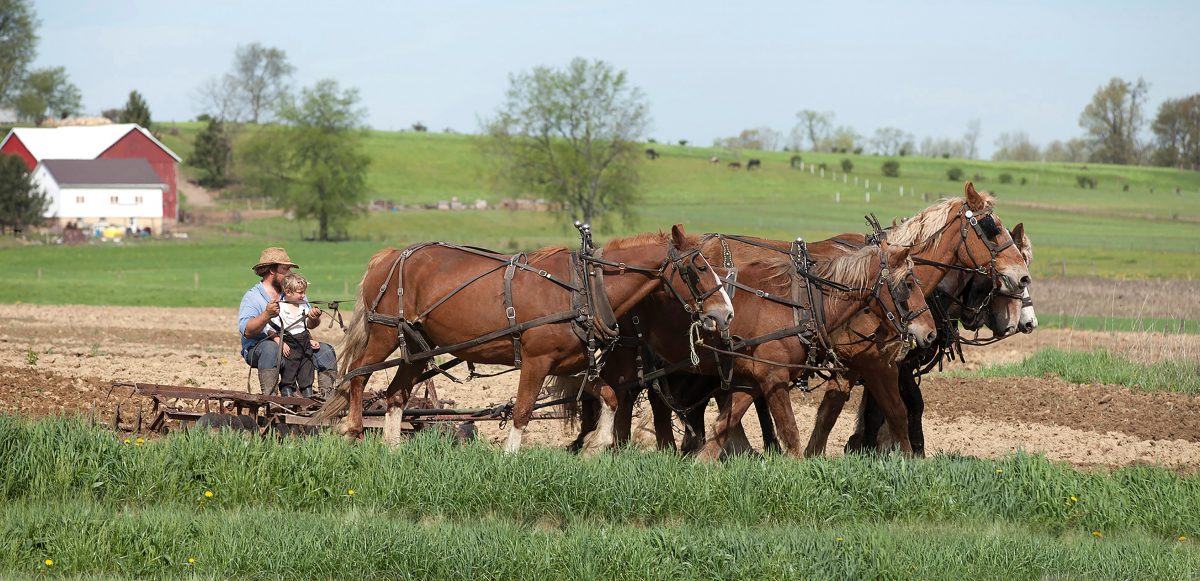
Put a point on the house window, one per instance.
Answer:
(78, 199)
(137, 199)
(113, 199)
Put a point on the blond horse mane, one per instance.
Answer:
(924, 230)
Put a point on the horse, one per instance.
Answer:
(775, 355)
(735, 165)
(970, 311)
(980, 233)
(753, 163)
(651, 154)
(1005, 266)
(457, 292)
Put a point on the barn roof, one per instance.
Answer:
(134, 171)
(77, 142)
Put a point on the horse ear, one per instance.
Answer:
(678, 236)
(1022, 241)
(975, 200)
(897, 255)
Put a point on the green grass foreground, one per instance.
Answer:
(97, 506)
(1102, 366)
(85, 539)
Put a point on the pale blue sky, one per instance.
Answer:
(709, 69)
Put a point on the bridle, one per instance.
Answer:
(985, 227)
(900, 320)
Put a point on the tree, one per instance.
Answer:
(136, 110)
(48, 92)
(253, 88)
(262, 74)
(1016, 147)
(843, 139)
(1070, 151)
(18, 45)
(571, 135)
(21, 203)
(312, 162)
(1113, 120)
(1177, 133)
(970, 140)
(811, 126)
(890, 140)
(759, 138)
(212, 154)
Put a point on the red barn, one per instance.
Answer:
(118, 141)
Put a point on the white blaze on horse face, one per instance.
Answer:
(724, 295)
(514, 440)
(1028, 316)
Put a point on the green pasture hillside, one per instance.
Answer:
(1147, 232)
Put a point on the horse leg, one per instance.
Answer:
(763, 410)
(533, 374)
(602, 438)
(589, 412)
(396, 398)
(910, 392)
(779, 400)
(868, 422)
(375, 352)
(664, 429)
(623, 421)
(731, 416)
(884, 386)
(827, 414)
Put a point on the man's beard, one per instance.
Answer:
(277, 285)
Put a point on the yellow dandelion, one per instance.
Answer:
(208, 494)
(191, 560)
(840, 539)
(1098, 534)
(350, 492)
(126, 441)
(999, 471)
(1182, 538)
(139, 441)
(1073, 499)
(49, 562)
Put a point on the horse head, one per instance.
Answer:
(903, 305)
(987, 246)
(705, 296)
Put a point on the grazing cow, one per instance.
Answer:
(650, 153)
(735, 165)
(753, 163)
(714, 160)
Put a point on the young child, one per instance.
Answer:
(290, 332)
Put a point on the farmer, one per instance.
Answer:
(259, 305)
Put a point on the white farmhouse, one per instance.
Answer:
(95, 193)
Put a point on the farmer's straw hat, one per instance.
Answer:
(274, 255)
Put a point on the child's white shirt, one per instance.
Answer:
(292, 318)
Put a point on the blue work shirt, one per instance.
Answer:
(254, 302)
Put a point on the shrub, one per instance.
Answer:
(955, 174)
(1006, 178)
(978, 177)
(823, 166)
(1086, 182)
(683, 142)
(1023, 180)
(858, 151)
(419, 127)
(891, 168)
(847, 165)
(1125, 188)
(795, 161)
(945, 156)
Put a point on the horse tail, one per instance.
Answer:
(559, 386)
(352, 347)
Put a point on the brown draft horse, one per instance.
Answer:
(770, 366)
(940, 235)
(957, 234)
(980, 305)
(453, 313)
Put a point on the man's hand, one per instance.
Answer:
(315, 313)
(272, 308)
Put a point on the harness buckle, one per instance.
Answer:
(511, 313)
